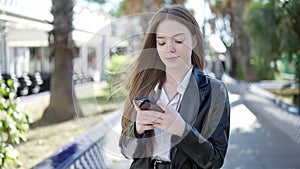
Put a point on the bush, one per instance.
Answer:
(117, 75)
(13, 124)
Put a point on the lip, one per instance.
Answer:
(172, 57)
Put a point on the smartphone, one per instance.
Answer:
(147, 103)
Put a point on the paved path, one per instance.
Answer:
(256, 140)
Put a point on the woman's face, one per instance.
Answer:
(174, 44)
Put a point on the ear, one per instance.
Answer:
(194, 41)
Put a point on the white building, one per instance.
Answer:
(24, 27)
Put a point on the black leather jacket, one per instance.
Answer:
(205, 108)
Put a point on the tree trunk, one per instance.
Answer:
(148, 6)
(63, 103)
(233, 61)
(241, 48)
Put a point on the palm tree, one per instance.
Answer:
(63, 104)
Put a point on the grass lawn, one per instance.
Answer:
(44, 141)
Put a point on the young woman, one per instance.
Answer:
(192, 130)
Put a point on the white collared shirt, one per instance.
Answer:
(162, 140)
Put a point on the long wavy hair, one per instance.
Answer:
(149, 70)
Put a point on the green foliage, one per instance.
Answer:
(272, 26)
(290, 26)
(240, 72)
(260, 66)
(140, 6)
(260, 24)
(117, 75)
(13, 124)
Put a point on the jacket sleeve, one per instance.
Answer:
(132, 144)
(205, 143)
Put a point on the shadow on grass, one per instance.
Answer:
(40, 123)
(106, 105)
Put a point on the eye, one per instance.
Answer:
(178, 41)
(161, 43)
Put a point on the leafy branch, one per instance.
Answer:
(13, 124)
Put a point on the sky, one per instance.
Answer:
(198, 6)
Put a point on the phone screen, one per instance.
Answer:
(147, 103)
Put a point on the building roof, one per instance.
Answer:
(28, 22)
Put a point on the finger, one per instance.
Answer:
(147, 117)
(136, 106)
(162, 105)
(141, 124)
(148, 127)
(152, 114)
(142, 128)
(144, 118)
(152, 120)
(157, 125)
(158, 121)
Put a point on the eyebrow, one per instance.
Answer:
(178, 34)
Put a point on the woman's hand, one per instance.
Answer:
(144, 119)
(170, 121)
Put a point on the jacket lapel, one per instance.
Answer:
(193, 96)
(190, 105)
(190, 102)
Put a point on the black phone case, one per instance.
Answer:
(147, 103)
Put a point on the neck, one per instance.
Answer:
(175, 76)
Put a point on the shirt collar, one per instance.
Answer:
(184, 83)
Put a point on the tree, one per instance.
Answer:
(291, 45)
(63, 103)
(230, 13)
(129, 7)
(274, 26)
(262, 25)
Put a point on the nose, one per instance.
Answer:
(170, 47)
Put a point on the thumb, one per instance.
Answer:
(162, 105)
(136, 106)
